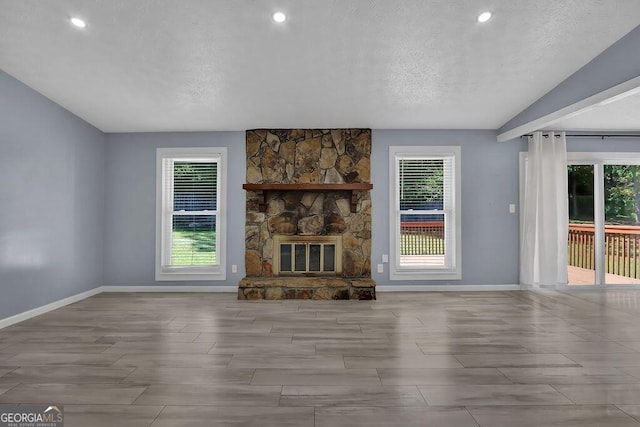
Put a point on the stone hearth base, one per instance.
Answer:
(318, 288)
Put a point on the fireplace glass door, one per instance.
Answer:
(307, 255)
(307, 258)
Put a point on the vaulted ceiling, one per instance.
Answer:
(161, 65)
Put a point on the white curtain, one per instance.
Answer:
(543, 243)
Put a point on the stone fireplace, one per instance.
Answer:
(308, 214)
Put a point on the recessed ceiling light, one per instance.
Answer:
(484, 16)
(77, 22)
(279, 17)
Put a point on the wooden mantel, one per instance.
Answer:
(261, 189)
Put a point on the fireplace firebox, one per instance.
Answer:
(307, 255)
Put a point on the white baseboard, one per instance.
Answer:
(8, 321)
(445, 288)
(233, 289)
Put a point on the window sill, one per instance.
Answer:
(190, 274)
(425, 275)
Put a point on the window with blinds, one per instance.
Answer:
(425, 234)
(193, 222)
(190, 217)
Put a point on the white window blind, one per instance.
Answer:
(194, 212)
(422, 182)
(190, 216)
(425, 226)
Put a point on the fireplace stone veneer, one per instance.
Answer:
(309, 162)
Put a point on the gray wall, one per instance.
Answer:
(65, 188)
(490, 242)
(489, 184)
(131, 204)
(51, 201)
(611, 145)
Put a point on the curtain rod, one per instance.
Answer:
(589, 135)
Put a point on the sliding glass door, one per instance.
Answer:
(581, 254)
(603, 244)
(621, 225)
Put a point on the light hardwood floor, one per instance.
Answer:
(407, 359)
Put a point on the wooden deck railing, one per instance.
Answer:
(422, 238)
(622, 248)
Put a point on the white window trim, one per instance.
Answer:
(425, 273)
(217, 272)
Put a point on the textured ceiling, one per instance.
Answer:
(159, 65)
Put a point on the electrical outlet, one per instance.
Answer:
(385, 258)
(380, 268)
(234, 268)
